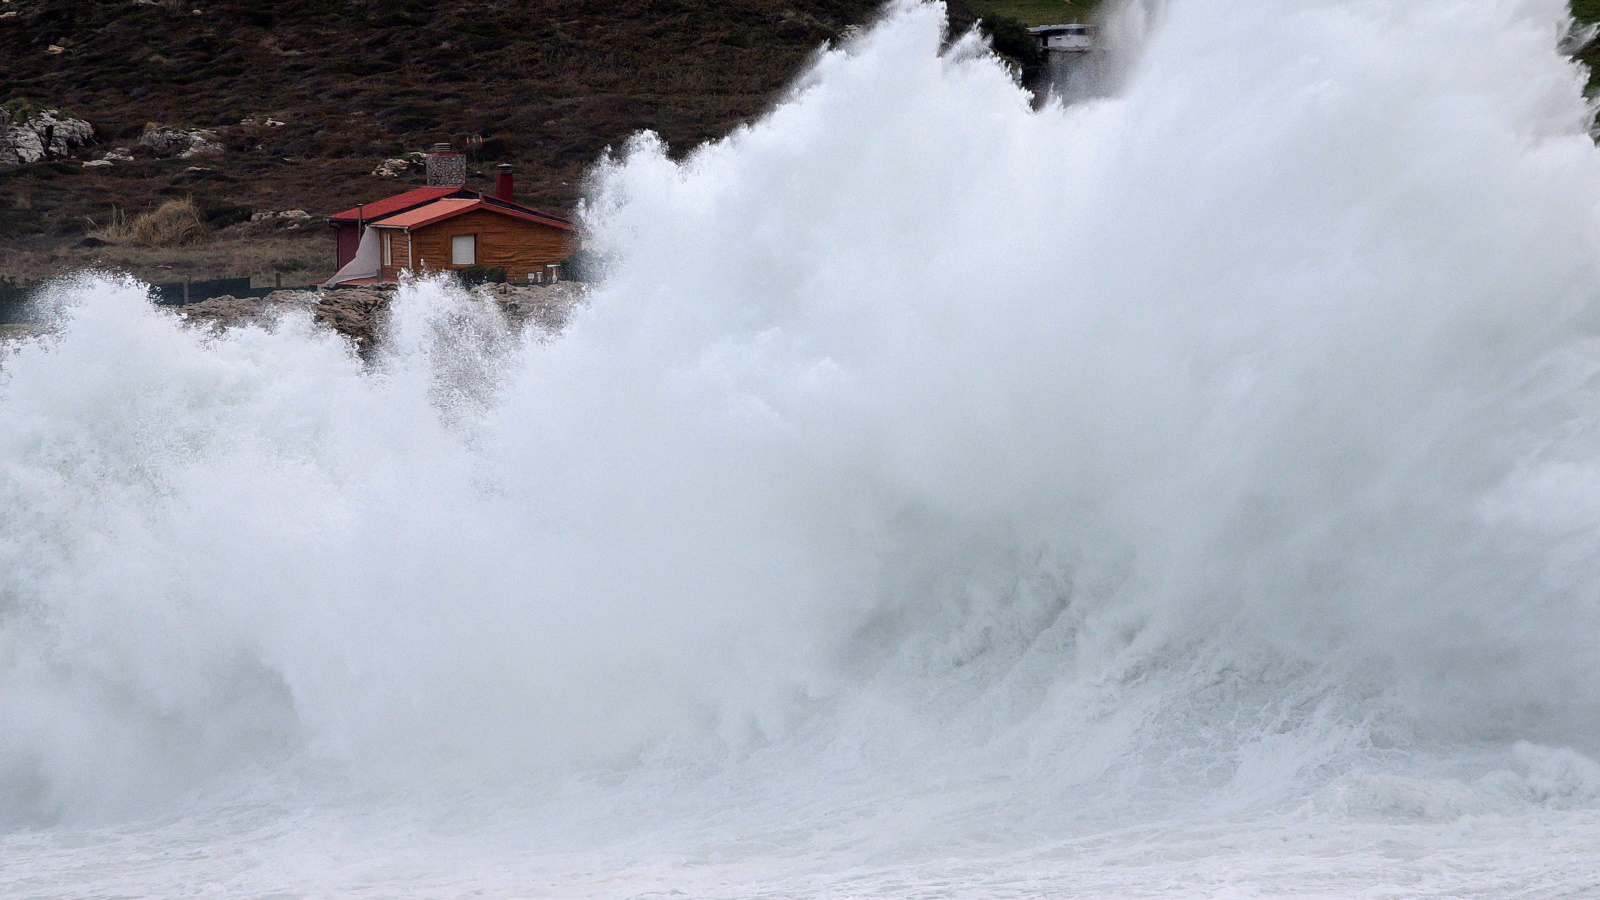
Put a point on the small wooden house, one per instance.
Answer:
(350, 225)
(457, 233)
(445, 227)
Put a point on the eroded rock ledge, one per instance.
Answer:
(358, 313)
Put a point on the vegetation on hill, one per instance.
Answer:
(546, 84)
(1587, 12)
(1037, 12)
(306, 98)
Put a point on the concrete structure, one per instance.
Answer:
(1068, 38)
(1073, 62)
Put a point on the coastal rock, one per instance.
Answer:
(359, 313)
(546, 307)
(29, 134)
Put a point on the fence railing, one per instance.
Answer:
(14, 297)
(181, 292)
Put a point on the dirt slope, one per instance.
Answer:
(547, 84)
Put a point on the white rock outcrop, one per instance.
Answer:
(290, 215)
(402, 165)
(29, 134)
(167, 142)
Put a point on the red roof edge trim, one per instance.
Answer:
(397, 203)
(440, 210)
(554, 219)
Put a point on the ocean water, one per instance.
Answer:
(1189, 488)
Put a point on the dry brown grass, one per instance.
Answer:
(175, 223)
(116, 231)
(299, 257)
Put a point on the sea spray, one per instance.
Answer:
(938, 493)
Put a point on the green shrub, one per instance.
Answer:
(223, 216)
(1010, 39)
(472, 276)
(21, 110)
(582, 266)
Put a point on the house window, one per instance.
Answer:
(464, 250)
(388, 248)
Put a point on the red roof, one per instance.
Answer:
(439, 210)
(537, 215)
(397, 203)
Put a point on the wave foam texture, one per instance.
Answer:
(1210, 442)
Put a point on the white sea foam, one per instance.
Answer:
(1189, 491)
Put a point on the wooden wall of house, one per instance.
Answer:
(400, 258)
(517, 245)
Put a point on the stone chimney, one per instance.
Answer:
(446, 168)
(505, 184)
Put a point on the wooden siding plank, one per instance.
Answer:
(516, 245)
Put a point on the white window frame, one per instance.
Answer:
(388, 247)
(455, 251)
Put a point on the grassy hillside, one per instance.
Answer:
(1038, 12)
(547, 84)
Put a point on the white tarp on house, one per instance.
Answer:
(364, 265)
